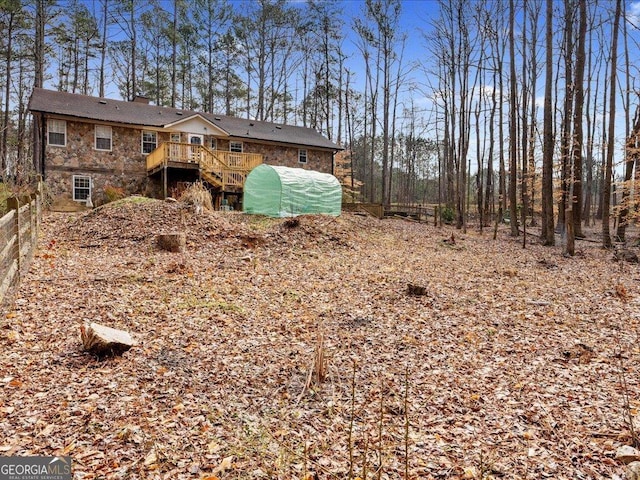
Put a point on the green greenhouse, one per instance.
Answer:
(286, 192)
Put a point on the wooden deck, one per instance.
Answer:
(224, 170)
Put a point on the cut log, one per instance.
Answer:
(627, 454)
(172, 242)
(104, 341)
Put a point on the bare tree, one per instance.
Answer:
(625, 204)
(453, 45)
(548, 234)
(513, 139)
(10, 19)
(103, 45)
(126, 14)
(578, 136)
(606, 191)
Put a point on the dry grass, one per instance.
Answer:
(198, 196)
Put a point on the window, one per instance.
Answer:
(57, 132)
(302, 156)
(81, 188)
(235, 147)
(175, 137)
(103, 137)
(214, 144)
(149, 141)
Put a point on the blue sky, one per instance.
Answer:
(416, 17)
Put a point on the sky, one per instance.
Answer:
(415, 21)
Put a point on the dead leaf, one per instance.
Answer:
(226, 464)
(151, 458)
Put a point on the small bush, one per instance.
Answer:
(198, 196)
(447, 215)
(112, 193)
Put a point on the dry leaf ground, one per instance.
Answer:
(511, 366)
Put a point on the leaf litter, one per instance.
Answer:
(509, 363)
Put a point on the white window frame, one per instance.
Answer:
(175, 137)
(236, 147)
(54, 126)
(103, 135)
(89, 187)
(142, 141)
(303, 157)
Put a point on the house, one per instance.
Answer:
(85, 144)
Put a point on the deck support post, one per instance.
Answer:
(164, 181)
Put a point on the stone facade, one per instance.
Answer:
(124, 166)
(286, 156)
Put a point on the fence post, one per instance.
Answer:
(33, 222)
(14, 204)
(38, 206)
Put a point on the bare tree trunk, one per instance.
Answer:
(174, 55)
(480, 173)
(623, 213)
(7, 92)
(502, 180)
(489, 200)
(513, 148)
(606, 199)
(566, 138)
(341, 104)
(578, 136)
(591, 131)
(103, 45)
(603, 151)
(524, 137)
(536, 8)
(134, 46)
(547, 234)
(39, 47)
(38, 53)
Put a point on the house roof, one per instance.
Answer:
(145, 115)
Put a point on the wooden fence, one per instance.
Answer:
(421, 213)
(375, 209)
(18, 238)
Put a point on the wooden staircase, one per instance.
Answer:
(225, 171)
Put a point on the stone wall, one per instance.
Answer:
(122, 167)
(319, 160)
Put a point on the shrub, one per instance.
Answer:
(112, 193)
(447, 215)
(198, 196)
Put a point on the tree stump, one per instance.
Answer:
(172, 242)
(417, 290)
(102, 341)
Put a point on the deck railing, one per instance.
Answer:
(236, 160)
(156, 158)
(230, 168)
(211, 163)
